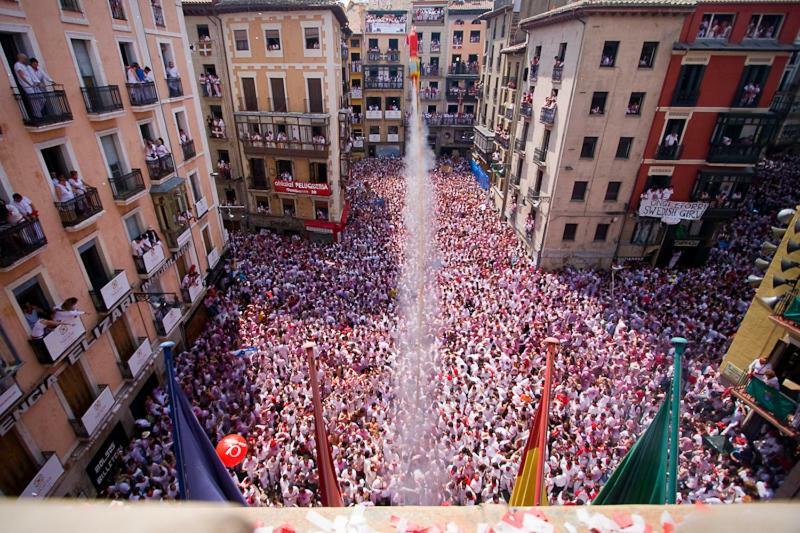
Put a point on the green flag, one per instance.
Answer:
(641, 477)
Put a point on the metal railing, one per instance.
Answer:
(502, 141)
(127, 185)
(143, 93)
(45, 107)
(734, 153)
(375, 83)
(287, 145)
(19, 240)
(427, 17)
(259, 184)
(188, 149)
(160, 167)
(462, 69)
(547, 115)
(429, 96)
(435, 48)
(205, 47)
(781, 102)
(429, 71)
(80, 208)
(558, 72)
(100, 100)
(668, 152)
(441, 120)
(374, 55)
(539, 154)
(519, 144)
(508, 81)
(175, 87)
(526, 110)
(533, 74)
(393, 56)
(355, 66)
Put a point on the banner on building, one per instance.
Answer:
(302, 187)
(671, 212)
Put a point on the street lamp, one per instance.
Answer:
(614, 270)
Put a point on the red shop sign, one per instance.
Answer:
(301, 187)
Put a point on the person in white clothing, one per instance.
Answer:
(64, 192)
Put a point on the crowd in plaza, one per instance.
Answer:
(246, 373)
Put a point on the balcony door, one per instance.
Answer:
(77, 392)
(278, 95)
(84, 60)
(258, 172)
(93, 264)
(249, 90)
(115, 165)
(314, 95)
(18, 466)
(122, 340)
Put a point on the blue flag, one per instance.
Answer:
(201, 475)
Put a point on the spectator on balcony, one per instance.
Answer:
(215, 85)
(140, 246)
(28, 86)
(44, 325)
(534, 66)
(319, 140)
(161, 148)
(204, 84)
(286, 176)
(750, 94)
(282, 137)
(10, 215)
(185, 218)
(671, 140)
(183, 136)
(64, 191)
(633, 109)
(148, 75)
(224, 168)
(256, 139)
(68, 311)
(191, 279)
(41, 80)
(77, 183)
(557, 63)
(218, 128)
(173, 80)
(23, 205)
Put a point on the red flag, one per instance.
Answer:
(329, 491)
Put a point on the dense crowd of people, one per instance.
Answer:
(246, 373)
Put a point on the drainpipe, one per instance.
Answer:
(513, 137)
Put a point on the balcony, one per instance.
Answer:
(449, 120)
(435, 48)
(462, 94)
(111, 293)
(392, 56)
(685, 98)
(287, 148)
(139, 360)
(192, 293)
(378, 26)
(428, 96)
(558, 73)
(374, 56)
(188, 150)
(427, 17)
(204, 47)
(167, 312)
(547, 115)
(509, 113)
(356, 118)
(200, 208)
(45, 479)
(161, 167)
(539, 155)
(80, 209)
(50, 348)
(355, 66)
(19, 241)
(734, 153)
(40, 110)
(158, 15)
(392, 137)
(781, 102)
(430, 71)
(668, 152)
(519, 145)
(142, 94)
(374, 114)
(510, 82)
(175, 87)
(95, 414)
(386, 85)
(393, 114)
(213, 258)
(355, 92)
(374, 137)
(772, 405)
(533, 75)
(463, 69)
(174, 235)
(9, 391)
(148, 263)
(502, 141)
(126, 186)
(101, 100)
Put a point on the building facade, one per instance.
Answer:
(287, 70)
(210, 69)
(101, 268)
(594, 78)
(770, 331)
(712, 125)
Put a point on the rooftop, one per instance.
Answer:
(199, 7)
(570, 10)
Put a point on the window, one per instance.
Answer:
(569, 232)
(249, 91)
(648, 57)
(242, 43)
(202, 29)
(84, 58)
(589, 145)
(273, 38)
(763, 27)
(753, 79)
(657, 181)
(598, 106)
(647, 231)
(31, 296)
(111, 149)
(723, 189)
(321, 210)
(393, 44)
(458, 38)
(18, 468)
(288, 207)
(318, 172)
(624, 147)
(716, 26)
(355, 43)
(609, 56)
(134, 226)
(194, 182)
(579, 191)
(475, 36)
(314, 86)
(600, 232)
(207, 242)
(635, 104)
(94, 265)
(612, 191)
(688, 87)
(284, 169)
(562, 51)
(311, 38)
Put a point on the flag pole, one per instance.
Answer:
(679, 343)
(330, 492)
(540, 493)
(173, 408)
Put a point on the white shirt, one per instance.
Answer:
(64, 191)
(14, 216)
(24, 76)
(25, 206)
(172, 72)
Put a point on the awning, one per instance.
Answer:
(167, 186)
(514, 49)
